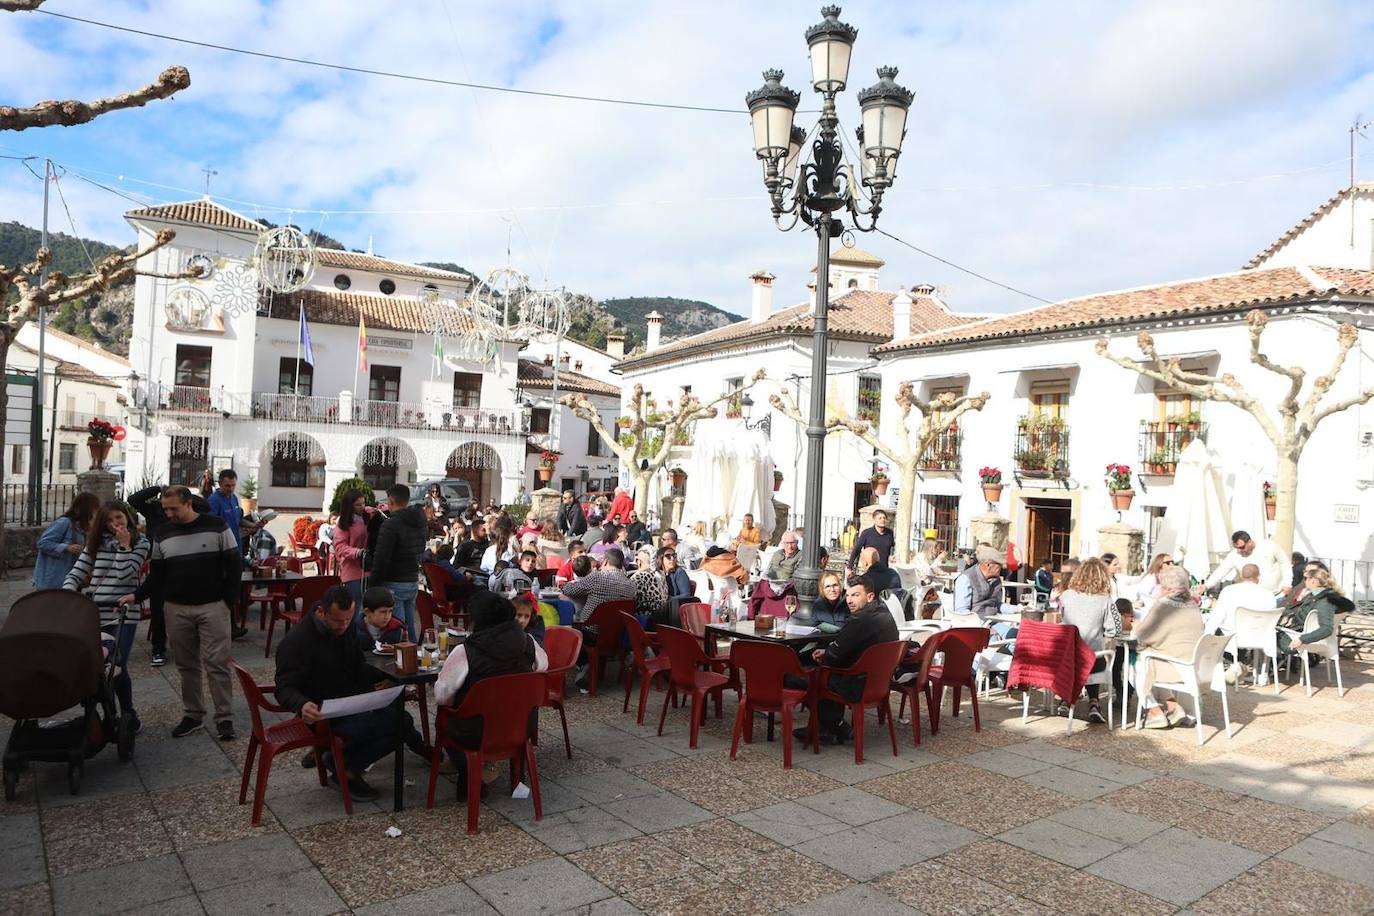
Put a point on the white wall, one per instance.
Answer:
(1328, 241)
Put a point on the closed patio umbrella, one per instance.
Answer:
(1197, 520)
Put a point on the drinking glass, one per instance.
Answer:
(790, 603)
(430, 640)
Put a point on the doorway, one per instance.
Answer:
(1049, 530)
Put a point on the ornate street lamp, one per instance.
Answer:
(820, 191)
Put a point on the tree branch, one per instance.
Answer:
(60, 288)
(1337, 407)
(583, 408)
(1257, 321)
(72, 111)
(1346, 336)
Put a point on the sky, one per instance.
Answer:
(1061, 148)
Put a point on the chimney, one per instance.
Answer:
(615, 344)
(564, 361)
(901, 315)
(548, 359)
(577, 366)
(923, 289)
(655, 332)
(763, 297)
(811, 288)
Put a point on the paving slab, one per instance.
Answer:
(301, 893)
(657, 812)
(1060, 842)
(550, 886)
(1109, 823)
(852, 806)
(859, 854)
(1176, 865)
(789, 823)
(260, 857)
(456, 899)
(857, 899)
(1334, 859)
(132, 885)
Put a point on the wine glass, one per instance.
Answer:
(429, 641)
(790, 603)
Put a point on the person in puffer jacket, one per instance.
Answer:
(397, 557)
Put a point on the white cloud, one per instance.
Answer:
(1019, 109)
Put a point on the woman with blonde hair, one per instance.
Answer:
(1087, 604)
(1322, 597)
(928, 558)
(830, 605)
(1147, 588)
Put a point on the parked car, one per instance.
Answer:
(457, 492)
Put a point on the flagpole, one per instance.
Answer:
(301, 320)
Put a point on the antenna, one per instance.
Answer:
(209, 173)
(1356, 128)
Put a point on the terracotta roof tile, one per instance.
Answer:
(390, 313)
(333, 257)
(534, 374)
(70, 370)
(844, 255)
(198, 213)
(864, 315)
(1225, 293)
(1363, 187)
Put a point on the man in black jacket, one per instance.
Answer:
(572, 521)
(400, 548)
(321, 659)
(148, 503)
(869, 623)
(468, 554)
(879, 537)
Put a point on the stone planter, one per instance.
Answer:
(545, 473)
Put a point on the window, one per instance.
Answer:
(942, 514)
(854, 283)
(16, 459)
(387, 286)
(870, 398)
(1050, 399)
(342, 282)
(193, 366)
(735, 406)
(384, 384)
(467, 389)
(190, 457)
(296, 471)
(295, 377)
(594, 444)
(539, 419)
(66, 457)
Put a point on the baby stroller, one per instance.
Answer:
(52, 659)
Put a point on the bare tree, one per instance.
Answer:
(26, 280)
(642, 447)
(936, 417)
(1290, 423)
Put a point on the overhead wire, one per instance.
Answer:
(959, 267)
(76, 233)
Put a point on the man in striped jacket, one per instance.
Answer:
(196, 567)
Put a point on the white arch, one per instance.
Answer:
(385, 460)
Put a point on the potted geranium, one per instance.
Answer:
(880, 482)
(1119, 485)
(777, 480)
(100, 436)
(1271, 500)
(991, 479)
(548, 460)
(679, 476)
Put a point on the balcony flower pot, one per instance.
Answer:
(992, 492)
(679, 478)
(1173, 426)
(1271, 507)
(1121, 499)
(100, 450)
(880, 485)
(545, 473)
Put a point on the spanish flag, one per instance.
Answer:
(362, 345)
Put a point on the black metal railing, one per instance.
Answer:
(944, 453)
(1161, 443)
(17, 509)
(1041, 448)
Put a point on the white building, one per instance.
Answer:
(861, 316)
(1060, 413)
(587, 463)
(219, 383)
(82, 382)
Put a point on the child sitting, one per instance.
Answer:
(529, 615)
(376, 624)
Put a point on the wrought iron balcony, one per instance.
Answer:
(1041, 448)
(190, 399)
(945, 453)
(392, 415)
(1161, 443)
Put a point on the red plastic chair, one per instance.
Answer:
(562, 645)
(695, 616)
(687, 658)
(610, 630)
(307, 554)
(645, 666)
(915, 688)
(504, 705)
(877, 664)
(763, 666)
(274, 739)
(960, 646)
(269, 598)
(438, 582)
(307, 591)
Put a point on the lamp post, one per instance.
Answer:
(820, 192)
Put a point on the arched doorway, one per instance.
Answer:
(385, 461)
(292, 468)
(480, 466)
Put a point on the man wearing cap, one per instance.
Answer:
(869, 623)
(978, 590)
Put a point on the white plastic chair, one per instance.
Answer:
(1193, 675)
(1259, 631)
(1328, 648)
(726, 589)
(747, 555)
(1101, 678)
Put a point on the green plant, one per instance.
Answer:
(352, 483)
(1031, 459)
(518, 511)
(249, 488)
(1160, 457)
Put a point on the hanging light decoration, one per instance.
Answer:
(493, 309)
(284, 259)
(297, 447)
(544, 316)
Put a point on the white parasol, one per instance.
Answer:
(1197, 521)
(729, 473)
(1247, 500)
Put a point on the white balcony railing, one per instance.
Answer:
(391, 414)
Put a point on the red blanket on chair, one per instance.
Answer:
(1051, 656)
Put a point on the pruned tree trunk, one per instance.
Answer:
(1290, 423)
(936, 418)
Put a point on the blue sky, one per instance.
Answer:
(1063, 148)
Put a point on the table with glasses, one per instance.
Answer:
(252, 578)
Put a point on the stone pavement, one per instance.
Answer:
(1017, 818)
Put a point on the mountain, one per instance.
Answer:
(681, 317)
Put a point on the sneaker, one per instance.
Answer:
(358, 788)
(159, 659)
(1186, 722)
(804, 735)
(186, 726)
(1062, 711)
(1095, 715)
(136, 722)
(1159, 721)
(308, 761)
(1176, 715)
(225, 730)
(239, 632)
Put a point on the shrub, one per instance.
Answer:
(352, 483)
